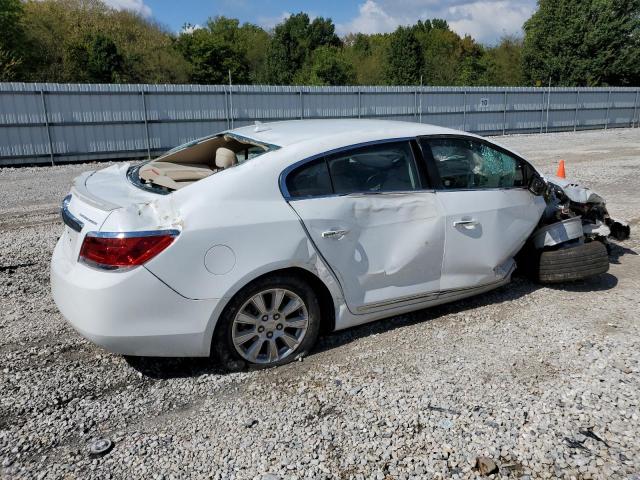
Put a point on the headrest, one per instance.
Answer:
(225, 158)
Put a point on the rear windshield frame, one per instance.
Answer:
(134, 177)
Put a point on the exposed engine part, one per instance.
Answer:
(568, 200)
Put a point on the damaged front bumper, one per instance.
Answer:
(575, 214)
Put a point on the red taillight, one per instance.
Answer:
(122, 250)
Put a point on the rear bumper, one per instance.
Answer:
(130, 312)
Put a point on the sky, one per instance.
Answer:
(485, 20)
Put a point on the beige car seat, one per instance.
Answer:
(177, 175)
(225, 158)
(172, 175)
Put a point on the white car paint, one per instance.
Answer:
(392, 245)
(479, 252)
(398, 251)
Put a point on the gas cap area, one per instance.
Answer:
(219, 260)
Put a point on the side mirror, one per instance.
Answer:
(537, 185)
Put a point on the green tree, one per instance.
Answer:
(585, 43)
(367, 54)
(439, 24)
(471, 68)
(96, 59)
(293, 43)
(214, 51)
(504, 62)
(404, 58)
(440, 48)
(87, 41)
(61, 33)
(255, 43)
(11, 38)
(327, 66)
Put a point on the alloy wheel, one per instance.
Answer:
(270, 326)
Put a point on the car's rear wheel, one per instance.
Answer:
(573, 263)
(270, 322)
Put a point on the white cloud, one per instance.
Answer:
(191, 28)
(137, 6)
(485, 20)
(372, 18)
(270, 22)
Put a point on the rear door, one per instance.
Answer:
(370, 216)
(489, 211)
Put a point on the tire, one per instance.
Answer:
(573, 263)
(242, 325)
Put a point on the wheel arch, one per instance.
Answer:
(325, 298)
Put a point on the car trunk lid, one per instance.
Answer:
(94, 196)
(109, 189)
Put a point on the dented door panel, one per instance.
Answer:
(382, 247)
(484, 229)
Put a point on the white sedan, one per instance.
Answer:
(249, 243)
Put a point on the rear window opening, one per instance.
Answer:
(194, 161)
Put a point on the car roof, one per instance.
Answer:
(291, 132)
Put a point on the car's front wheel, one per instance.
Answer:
(272, 321)
(573, 263)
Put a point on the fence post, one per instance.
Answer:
(575, 118)
(464, 111)
(230, 106)
(606, 122)
(504, 113)
(226, 107)
(420, 106)
(359, 103)
(301, 105)
(46, 124)
(546, 123)
(635, 110)
(541, 111)
(415, 104)
(146, 124)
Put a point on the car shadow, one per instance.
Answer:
(600, 283)
(161, 368)
(519, 287)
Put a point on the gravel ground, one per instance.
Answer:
(544, 381)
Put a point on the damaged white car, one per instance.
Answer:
(249, 243)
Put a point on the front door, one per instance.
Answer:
(370, 218)
(489, 212)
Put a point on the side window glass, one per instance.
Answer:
(310, 179)
(464, 163)
(386, 167)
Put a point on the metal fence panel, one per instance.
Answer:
(43, 123)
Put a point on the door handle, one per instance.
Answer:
(337, 234)
(467, 223)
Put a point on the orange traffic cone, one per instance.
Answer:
(561, 173)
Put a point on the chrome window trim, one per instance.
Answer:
(282, 179)
(69, 219)
(135, 234)
(362, 194)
